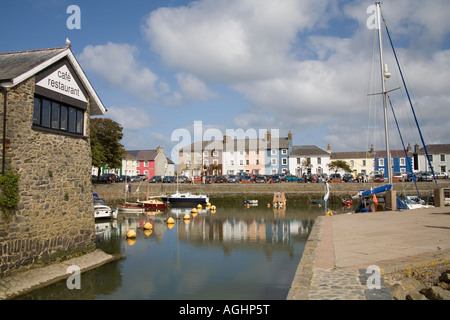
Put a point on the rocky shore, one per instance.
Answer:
(424, 281)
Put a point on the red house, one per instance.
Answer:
(150, 162)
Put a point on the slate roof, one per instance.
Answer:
(304, 151)
(16, 67)
(436, 149)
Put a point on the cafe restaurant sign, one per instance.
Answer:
(62, 82)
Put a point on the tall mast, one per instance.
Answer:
(384, 75)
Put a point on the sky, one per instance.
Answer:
(170, 69)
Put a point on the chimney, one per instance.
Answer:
(371, 148)
(329, 148)
(268, 136)
(159, 150)
(290, 136)
(416, 148)
(409, 148)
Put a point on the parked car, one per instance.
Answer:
(210, 179)
(260, 179)
(291, 177)
(168, 179)
(335, 177)
(155, 179)
(424, 176)
(247, 179)
(348, 177)
(275, 178)
(234, 179)
(221, 179)
(108, 178)
(442, 175)
(182, 179)
(398, 176)
(378, 178)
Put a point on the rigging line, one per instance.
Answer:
(410, 102)
(403, 144)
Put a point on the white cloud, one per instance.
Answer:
(231, 40)
(131, 118)
(117, 65)
(191, 89)
(254, 47)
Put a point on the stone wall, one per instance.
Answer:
(54, 219)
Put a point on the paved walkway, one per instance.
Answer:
(340, 249)
(23, 282)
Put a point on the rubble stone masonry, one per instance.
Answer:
(54, 219)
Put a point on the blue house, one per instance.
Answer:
(277, 154)
(401, 162)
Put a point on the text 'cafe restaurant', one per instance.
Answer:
(46, 102)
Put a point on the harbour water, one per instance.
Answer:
(234, 253)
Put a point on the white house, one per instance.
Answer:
(308, 159)
(439, 158)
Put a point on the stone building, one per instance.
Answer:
(45, 106)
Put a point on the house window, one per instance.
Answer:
(215, 153)
(284, 161)
(319, 160)
(274, 162)
(274, 152)
(53, 115)
(283, 151)
(381, 162)
(442, 157)
(257, 162)
(402, 162)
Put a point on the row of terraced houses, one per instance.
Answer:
(274, 155)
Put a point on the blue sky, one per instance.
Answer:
(293, 65)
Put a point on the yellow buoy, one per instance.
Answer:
(131, 241)
(148, 226)
(187, 217)
(148, 232)
(199, 206)
(208, 205)
(170, 221)
(194, 210)
(131, 233)
(329, 213)
(213, 207)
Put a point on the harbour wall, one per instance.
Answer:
(307, 191)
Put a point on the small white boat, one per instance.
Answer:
(131, 208)
(101, 210)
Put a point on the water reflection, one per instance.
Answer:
(234, 253)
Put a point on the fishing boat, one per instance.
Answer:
(279, 200)
(369, 201)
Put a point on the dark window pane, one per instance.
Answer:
(80, 121)
(72, 119)
(55, 115)
(63, 118)
(45, 113)
(37, 111)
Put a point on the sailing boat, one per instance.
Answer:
(368, 197)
